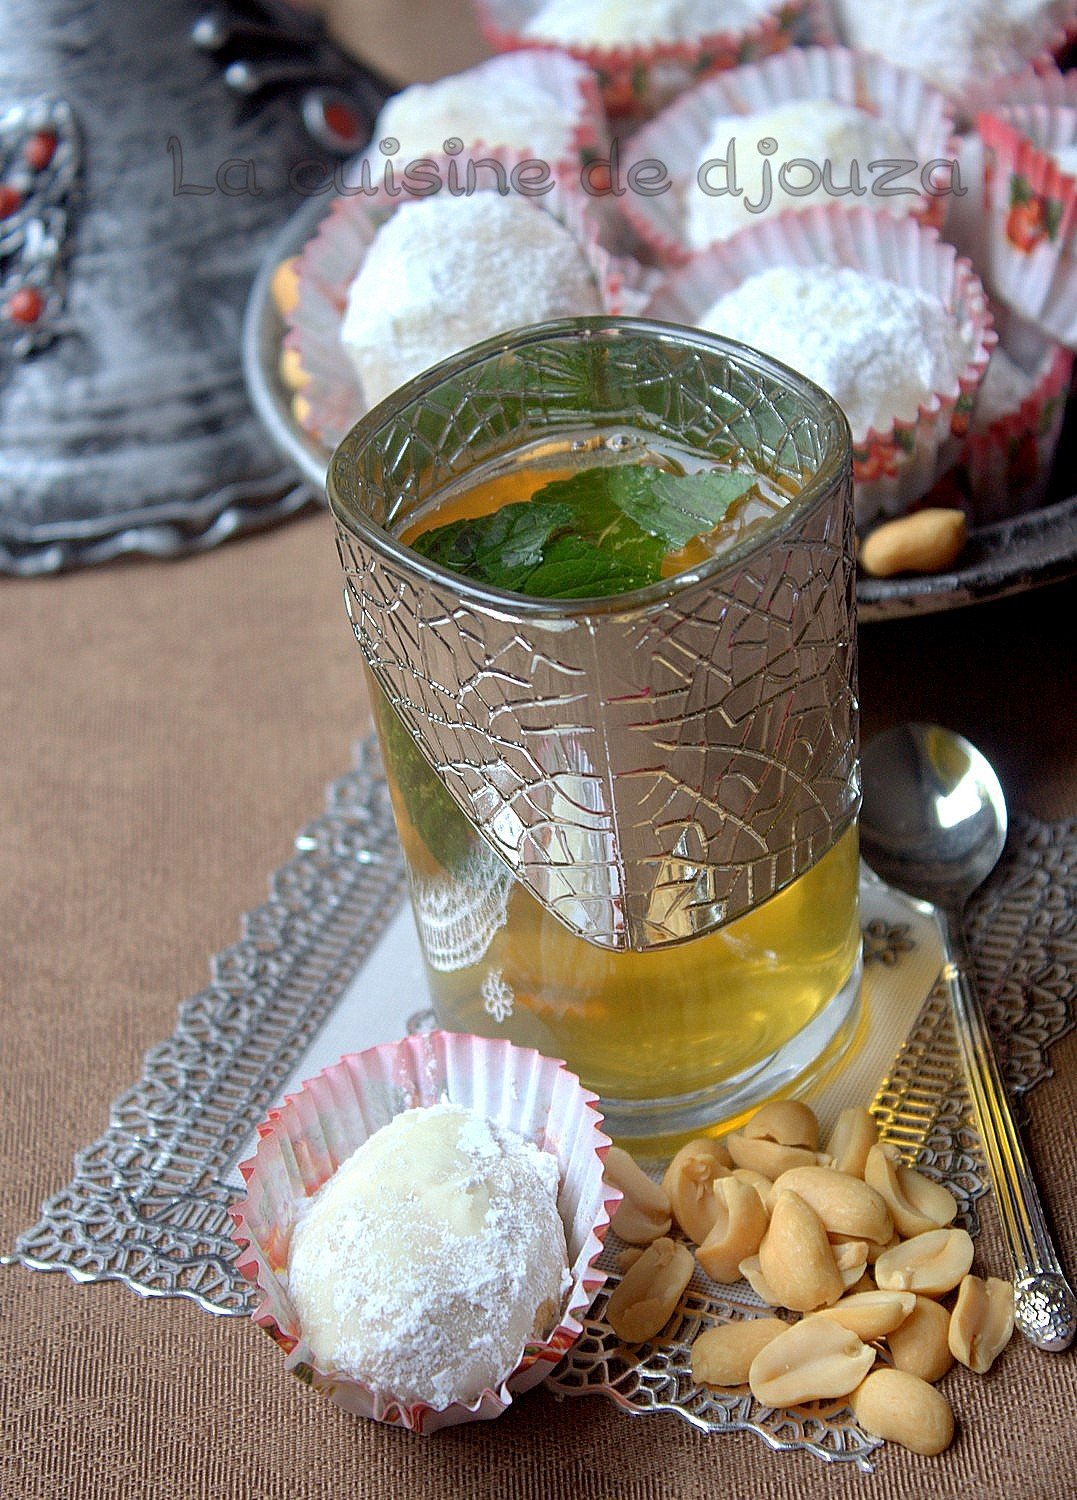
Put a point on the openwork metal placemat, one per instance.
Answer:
(148, 1203)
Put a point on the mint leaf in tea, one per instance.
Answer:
(603, 530)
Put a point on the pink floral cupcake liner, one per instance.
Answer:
(1007, 462)
(636, 81)
(332, 396)
(314, 1131)
(676, 137)
(892, 469)
(1054, 31)
(1030, 231)
(575, 100)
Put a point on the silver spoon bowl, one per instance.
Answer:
(933, 824)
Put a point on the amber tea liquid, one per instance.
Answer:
(689, 1019)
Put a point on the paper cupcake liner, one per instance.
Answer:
(1007, 464)
(332, 396)
(575, 99)
(892, 469)
(679, 134)
(314, 1131)
(1030, 228)
(636, 81)
(1055, 29)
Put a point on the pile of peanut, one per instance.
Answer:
(859, 1243)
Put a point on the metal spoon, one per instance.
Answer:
(933, 824)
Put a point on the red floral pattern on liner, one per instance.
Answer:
(903, 99)
(329, 262)
(636, 81)
(1030, 242)
(1006, 466)
(892, 469)
(304, 1140)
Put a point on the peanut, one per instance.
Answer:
(689, 1185)
(301, 409)
(628, 1256)
(796, 1258)
(753, 1275)
(284, 287)
(931, 1264)
(981, 1324)
(739, 1226)
(904, 1409)
(915, 1202)
(850, 1141)
(643, 1213)
(851, 1259)
(770, 1158)
(920, 1345)
(871, 1315)
(924, 542)
(290, 369)
(763, 1185)
(723, 1355)
(787, 1122)
(646, 1298)
(810, 1361)
(844, 1203)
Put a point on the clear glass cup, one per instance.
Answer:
(629, 823)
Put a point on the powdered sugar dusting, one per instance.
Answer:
(613, 23)
(431, 1257)
(880, 349)
(952, 42)
(444, 273)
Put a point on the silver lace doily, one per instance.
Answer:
(148, 1202)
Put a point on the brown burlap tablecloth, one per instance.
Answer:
(167, 728)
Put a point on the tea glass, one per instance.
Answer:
(629, 823)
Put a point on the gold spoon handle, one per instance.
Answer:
(1045, 1308)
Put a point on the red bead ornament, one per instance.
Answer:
(39, 150)
(341, 120)
(25, 306)
(10, 199)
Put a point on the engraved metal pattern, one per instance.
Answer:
(655, 767)
(1045, 1310)
(34, 230)
(148, 1204)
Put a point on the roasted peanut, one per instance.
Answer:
(915, 1202)
(763, 1185)
(770, 1158)
(643, 1213)
(931, 1264)
(981, 1323)
(647, 1297)
(723, 1355)
(844, 1203)
(850, 1141)
(787, 1122)
(284, 286)
(689, 1185)
(796, 1258)
(851, 1259)
(290, 368)
(920, 1344)
(753, 1275)
(739, 1226)
(810, 1361)
(904, 1409)
(871, 1315)
(924, 542)
(628, 1256)
(301, 409)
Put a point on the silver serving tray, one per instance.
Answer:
(1003, 558)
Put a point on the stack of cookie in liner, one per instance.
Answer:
(805, 201)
